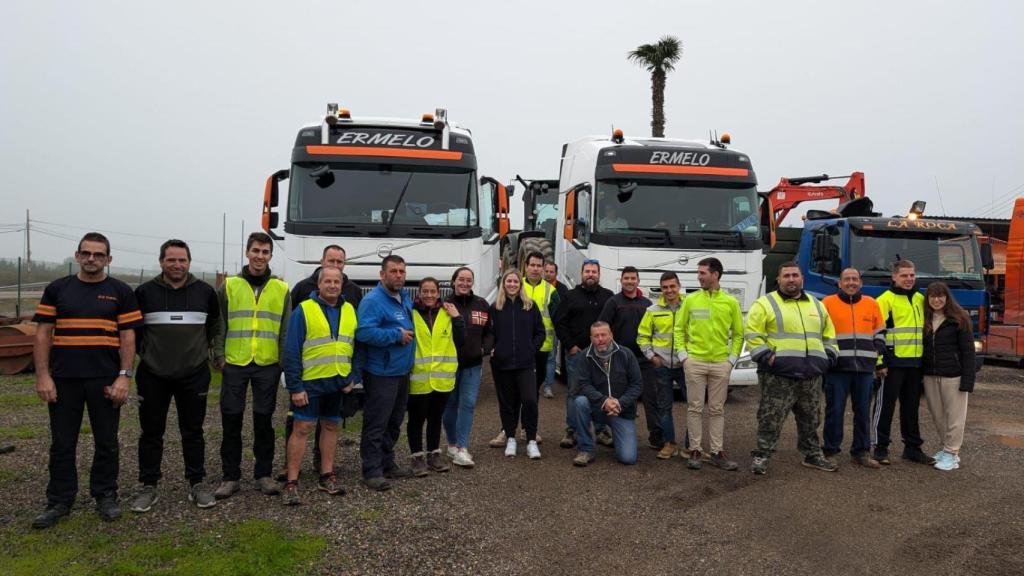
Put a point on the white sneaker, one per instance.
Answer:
(510, 448)
(947, 462)
(462, 458)
(452, 451)
(532, 451)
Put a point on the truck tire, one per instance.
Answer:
(535, 244)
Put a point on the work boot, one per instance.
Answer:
(201, 495)
(145, 499)
(377, 483)
(436, 462)
(226, 489)
(694, 461)
(582, 459)
(759, 465)
(268, 486)
(819, 462)
(329, 483)
(107, 508)
(419, 464)
(498, 441)
(604, 437)
(721, 460)
(397, 473)
(667, 451)
(290, 493)
(51, 516)
(865, 460)
(569, 440)
(916, 455)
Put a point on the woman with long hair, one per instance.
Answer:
(458, 415)
(948, 370)
(440, 331)
(514, 334)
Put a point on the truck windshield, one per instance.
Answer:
(678, 208)
(382, 194)
(934, 255)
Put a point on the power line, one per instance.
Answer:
(90, 228)
(129, 250)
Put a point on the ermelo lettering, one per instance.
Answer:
(681, 158)
(386, 139)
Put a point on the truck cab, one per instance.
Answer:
(383, 186)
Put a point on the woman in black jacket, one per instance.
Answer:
(458, 415)
(514, 334)
(948, 370)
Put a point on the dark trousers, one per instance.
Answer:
(517, 397)
(429, 409)
(383, 412)
(234, 386)
(905, 385)
(289, 425)
(540, 367)
(74, 396)
(858, 386)
(155, 395)
(780, 396)
(649, 397)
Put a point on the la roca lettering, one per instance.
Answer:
(683, 158)
(386, 139)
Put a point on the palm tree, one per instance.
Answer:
(659, 59)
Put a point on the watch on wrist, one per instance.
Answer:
(128, 373)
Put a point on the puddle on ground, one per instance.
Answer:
(1011, 441)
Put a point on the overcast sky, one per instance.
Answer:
(156, 118)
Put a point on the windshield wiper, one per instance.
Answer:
(666, 233)
(738, 234)
(401, 195)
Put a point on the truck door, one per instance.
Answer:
(493, 202)
(575, 230)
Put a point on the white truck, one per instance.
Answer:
(661, 204)
(382, 186)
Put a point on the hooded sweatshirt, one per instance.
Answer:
(474, 311)
(181, 325)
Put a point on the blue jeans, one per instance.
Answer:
(859, 386)
(572, 381)
(623, 429)
(549, 377)
(665, 377)
(458, 414)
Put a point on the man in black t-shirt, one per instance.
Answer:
(84, 352)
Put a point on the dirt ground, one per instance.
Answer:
(546, 517)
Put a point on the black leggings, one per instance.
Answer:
(517, 394)
(427, 408)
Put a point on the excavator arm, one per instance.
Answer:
(790, 192)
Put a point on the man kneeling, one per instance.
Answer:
(610, 384)
(318, 372)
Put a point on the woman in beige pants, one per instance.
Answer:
(948, 370)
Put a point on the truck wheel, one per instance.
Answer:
(535, 244)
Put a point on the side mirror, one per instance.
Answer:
(271, 197)
(988, 261)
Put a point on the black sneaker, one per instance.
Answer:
(694, 461)
(377, 483)
(881, 455)
(107, 508)
(759, 465)
(51, 516)
(820, 463)
(721, 460)
(916, 455)
(398, 473)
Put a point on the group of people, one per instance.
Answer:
(423, 359)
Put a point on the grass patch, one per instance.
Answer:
(22, 432)
(368, 514)
(87, 547)
(24, 381)
(10, 400)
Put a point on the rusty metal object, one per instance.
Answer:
(16, 341)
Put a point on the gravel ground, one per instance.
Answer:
(527, 517)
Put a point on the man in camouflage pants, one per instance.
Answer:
(791, 337)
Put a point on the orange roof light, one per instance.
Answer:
(427, 118)
(344, 114)
(726, 139)
(617, 136)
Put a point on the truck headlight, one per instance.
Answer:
(978, 347)
(745, 363)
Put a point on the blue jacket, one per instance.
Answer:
(293, 352)
(381, 319)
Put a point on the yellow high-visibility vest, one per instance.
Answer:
(541, 296)
(253, 326)
(906, 337)
(437, 359)
(323, 355)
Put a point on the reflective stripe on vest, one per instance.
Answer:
(796, 336)
(324, 356)
(541, 296)
(253, 326)
(436, 357)
(660, 321)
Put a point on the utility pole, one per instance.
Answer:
(28, 242)
(224, 243)
(243, 239)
